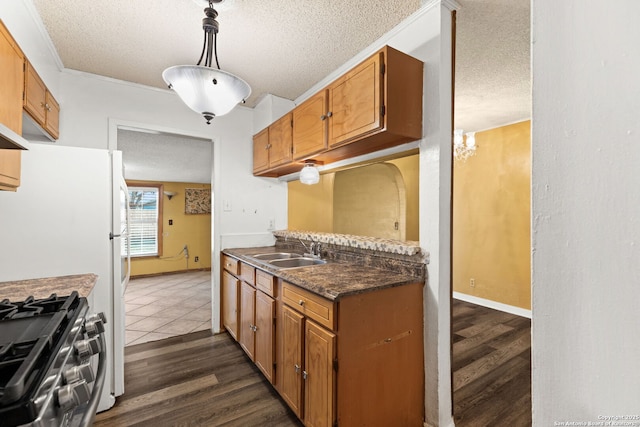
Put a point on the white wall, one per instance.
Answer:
(586, 211)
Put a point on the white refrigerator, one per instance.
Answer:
(59, 223)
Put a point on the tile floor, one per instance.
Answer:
(165, 306)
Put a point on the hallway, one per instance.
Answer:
(164, 306)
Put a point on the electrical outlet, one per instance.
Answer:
(472, 283)
(272, 224)
(170, 222)
(196, 259)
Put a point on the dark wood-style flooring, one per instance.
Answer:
(194, 380)
(491, 367)
(202, 379)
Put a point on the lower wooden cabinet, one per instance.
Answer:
(264, 332)
(308, 369)
(351, 362)
(247, 338)
(230, 298)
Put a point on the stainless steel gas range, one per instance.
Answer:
(48, 372)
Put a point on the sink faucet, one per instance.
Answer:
(314, 249)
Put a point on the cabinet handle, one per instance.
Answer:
(297, 368)
(255, 328)
(304, 375)
(47, 107)
(266, 147)
(301, 302)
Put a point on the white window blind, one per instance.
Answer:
(143, 220)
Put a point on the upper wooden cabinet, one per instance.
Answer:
(375, 105)
(39, 103)
(310, 126)
(272, 146)
(11, 86)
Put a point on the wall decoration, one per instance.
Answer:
(197, 201)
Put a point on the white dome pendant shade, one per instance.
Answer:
(206, 90)
(309, 174)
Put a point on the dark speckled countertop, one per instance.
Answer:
(333, 280)
(42, 288)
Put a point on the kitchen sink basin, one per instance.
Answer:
(276, 255)
(296, 262)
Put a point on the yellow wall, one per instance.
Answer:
(410, 169)
(491, 217)
(311, 207)
(191, 230)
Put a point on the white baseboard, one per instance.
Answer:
(493, 304)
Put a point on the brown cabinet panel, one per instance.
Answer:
(354, 102)
(231, 265)
(53, 116)
(292, 326)
(247, 318)
(39, 103)
(311, 305)
(261, 151)
(280, 141)
(11, 87)
(265, 283)
(35, 95)
(230, 298)
(310, 126)
(264, 334)
(318, 376)
(248, 273)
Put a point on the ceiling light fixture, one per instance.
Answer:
(309, 174)
(463, 149)
(206, 90)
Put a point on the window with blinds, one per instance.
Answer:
(144, 208)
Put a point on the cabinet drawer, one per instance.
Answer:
(311, 305)
(230, 264)
(264, 282)
(248, 273)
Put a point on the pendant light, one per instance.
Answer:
(207, 90)
(309, 174)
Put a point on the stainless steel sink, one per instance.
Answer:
(276, 255)
(296, 262)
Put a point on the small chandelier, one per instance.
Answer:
(463, 148)
(206, 90)
(309, 174)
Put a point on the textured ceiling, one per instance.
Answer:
(284, 47)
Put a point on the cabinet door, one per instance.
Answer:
(230, 297)
(354, 102)
(292, 326)
(280, 141)
(247, 318)
(52, 124)
(264, 332)
(261, 151)
(310, 126)
(35, 95)
(11, 87)
(318, 376)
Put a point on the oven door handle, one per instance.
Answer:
(92, 406)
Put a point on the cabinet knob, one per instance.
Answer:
(304, 375)
(47, 107)
(301, 302)
(297, 368)
(329, 114)
(323, 117)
